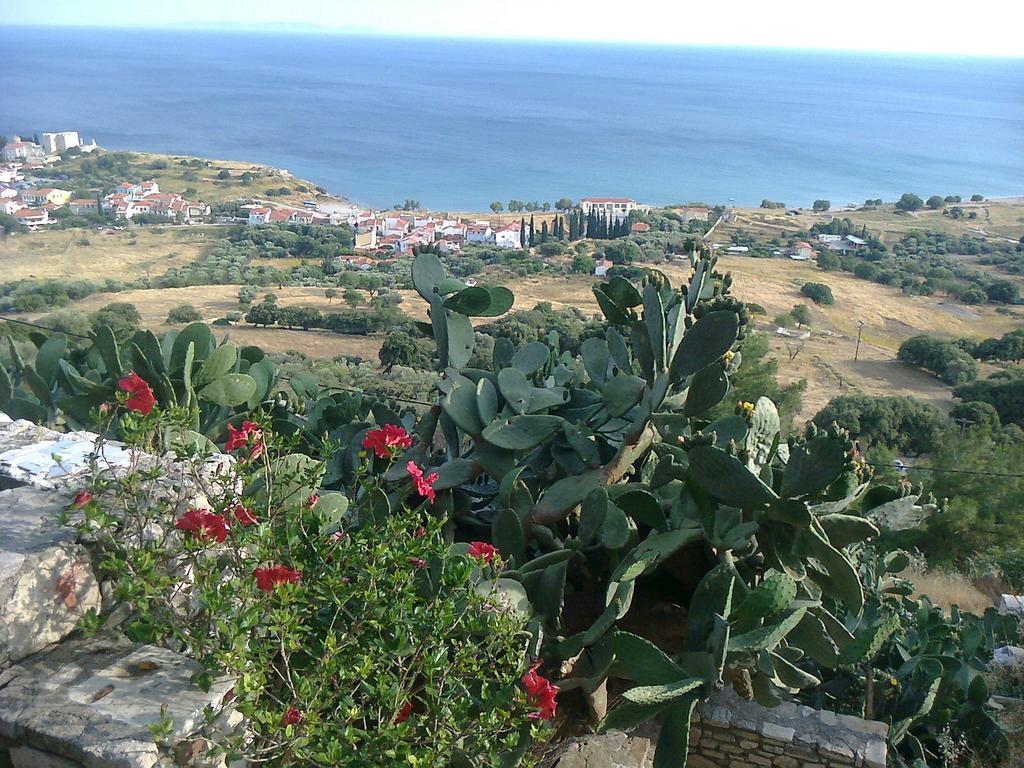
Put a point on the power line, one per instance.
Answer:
(948, 471)
(44, 328)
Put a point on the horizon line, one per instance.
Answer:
(270, 28)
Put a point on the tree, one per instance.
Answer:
(264, 313)
(563, 204)
(909, 202)
(329, 294)
(121, 317)
(353, 298)
(497, 207)
(225, 174)
(935, 202)
(308, 317)
(399, 348)
(819, 293)
(184, 313)
(1002, 291)
(828, 261)
(943, 358)
(900, 423)
(977, 198)
(820, 206)
(801, 313)
(623, 252)
(582, 264)
(246, 295)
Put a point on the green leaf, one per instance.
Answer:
(194, 333)
(622, 292)
(531, 357)
(664, 692)
(508, 535)
(217, 364)
(454, 473)
(522, 432)
(767, 637)
(592, 514)
(727, 478)
(615, 528)
(486, 401)
(654, 318)
(674, 737)
(230, 390)
(645, 663)
(595, 356)
(427, 274)
(49, 357)
(704, 343)
(515, 388)
(813, 465)
(708, 388)
(621, 393)
(106, 344)
(461, 339)
(461, 406)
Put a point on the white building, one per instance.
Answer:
(479, 232)
(16, 149)
(510, 236)
(612, 208)
(55, 143)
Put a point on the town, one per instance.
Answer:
(35, 206)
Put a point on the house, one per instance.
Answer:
(801, 251)
(55, 143)
(45, 195)
(694, 212)
(8, 193)
(479, 232)
(827, 240)
(447, 245)
(602, 267)
(639, 227)
(855, 242)
(9, 205)
(509, 236)
(611, 208)
(33, 218)
(11, 174)
(737, 249)
(16, 149)
(83, 205)
(841, 242)
(128, 189)
(366, 239)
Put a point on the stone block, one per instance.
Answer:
(615, 749)
(26, 757)
(91, 701)
(46, 580)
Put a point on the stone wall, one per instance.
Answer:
(68, 701)
(728, 732)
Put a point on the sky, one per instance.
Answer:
(987, 28)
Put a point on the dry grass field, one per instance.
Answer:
(203, 178)
(825, 360)
(998, 218)
(80, 254)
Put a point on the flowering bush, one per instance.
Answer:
(352, 639)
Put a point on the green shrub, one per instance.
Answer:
(943, 358)
(352, 642)
(819, 293)
(185, 313)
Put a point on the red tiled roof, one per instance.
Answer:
(608, 200)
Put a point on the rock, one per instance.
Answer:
(614, 749)
(92, 701)
(46, 580)
(26, 757)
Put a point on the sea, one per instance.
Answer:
(456, 124)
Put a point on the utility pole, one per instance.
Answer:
(860, 330)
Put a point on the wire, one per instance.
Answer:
(43, 327)
(947, 470)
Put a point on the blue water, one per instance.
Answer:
(457, 124)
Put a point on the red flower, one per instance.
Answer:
(291, 717)
(424, 485)
(312, 500)
(419, 533)
(418, 562)
(387, 441)
(481, 550)
(203, 524)
(243, 514)
(82, 498)
(249, 434)
(140, 394)
(268, 578)
(541, 694)
(403, 713)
